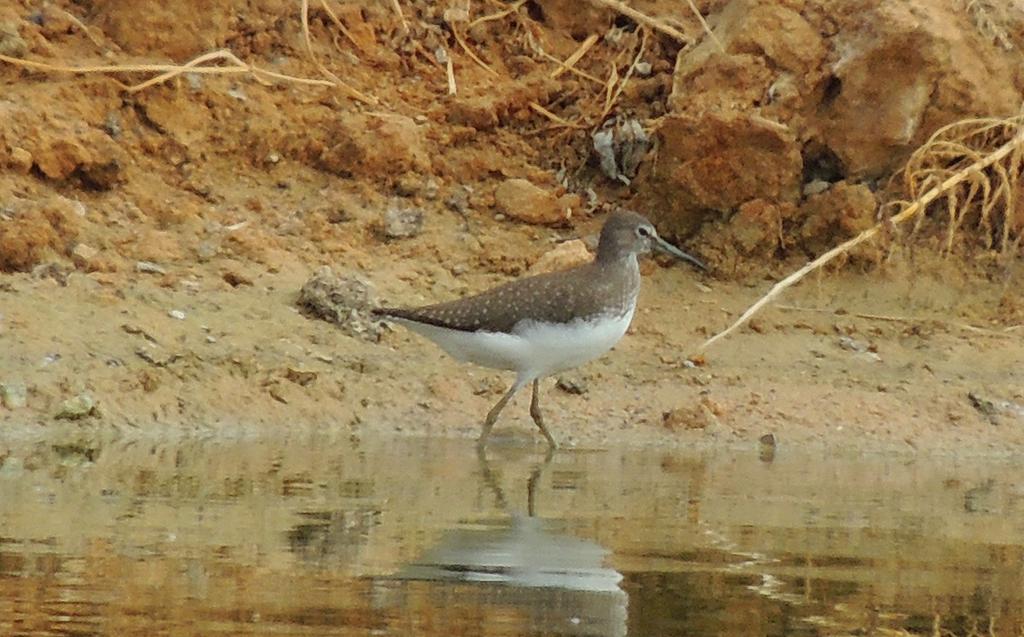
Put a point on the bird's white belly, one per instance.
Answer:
(533, 349)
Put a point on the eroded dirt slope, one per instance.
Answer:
(153, 243)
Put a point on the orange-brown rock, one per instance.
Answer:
(67, 140)
(33, 231)
(913, 66)
(173, 29)
(771, 54)
(562, 257)
(377, 145)
(835, 215)
(487, 106)
(723, 82)
(756, 228)
(523, 201)
(714, 163)
(577, 19)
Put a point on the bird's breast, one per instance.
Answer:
(556, 347)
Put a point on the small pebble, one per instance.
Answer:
(815, 187)
(408, 185)
(572, 385)
(13, 394)
(459, 200)
(21, 160)
(235, 279)
(207, 249)
(149, 267)
(301, 377)
(80, 406)
(176, 314)
(852, 344)
(11, 42)
(83, 254)
(344, 300)
(113, 124)
(766, 451)
(399, 223)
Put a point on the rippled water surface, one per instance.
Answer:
(323, 536)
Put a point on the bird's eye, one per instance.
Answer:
(643, 231)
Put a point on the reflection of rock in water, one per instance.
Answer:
(332, 536)
(556, 581)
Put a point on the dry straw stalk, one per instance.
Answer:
(1001, 165)
(203, 64)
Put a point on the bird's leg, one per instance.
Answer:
(531, 484)
(492, 415)
(537, 418)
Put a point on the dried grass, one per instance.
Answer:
(203, 64)
(576, 55)
(225, 62)
(661, 25)
(468, 51)
(614, 90)
(78, 23)
(991, 17)
(336, 81)
(168, 71)
(644, 19)
(401, 16)
(571, 69)
(499, 15)
(986, 197)
(341, 25)
(449, 72)
(972, 166)
(604, 99)
(704, 25)
(559, 121)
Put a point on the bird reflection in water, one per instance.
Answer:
(553, 580)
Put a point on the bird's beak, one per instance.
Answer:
(661, 245)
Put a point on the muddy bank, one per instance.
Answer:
(152, 243)
(845, 362)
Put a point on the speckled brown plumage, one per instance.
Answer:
(606, 286)
(585, 291)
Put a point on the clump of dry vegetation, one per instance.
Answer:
(992, 17)
(974, 166)
(970, 169)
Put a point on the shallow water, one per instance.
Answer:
(312, 535)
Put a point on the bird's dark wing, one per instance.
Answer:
(557, 297)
